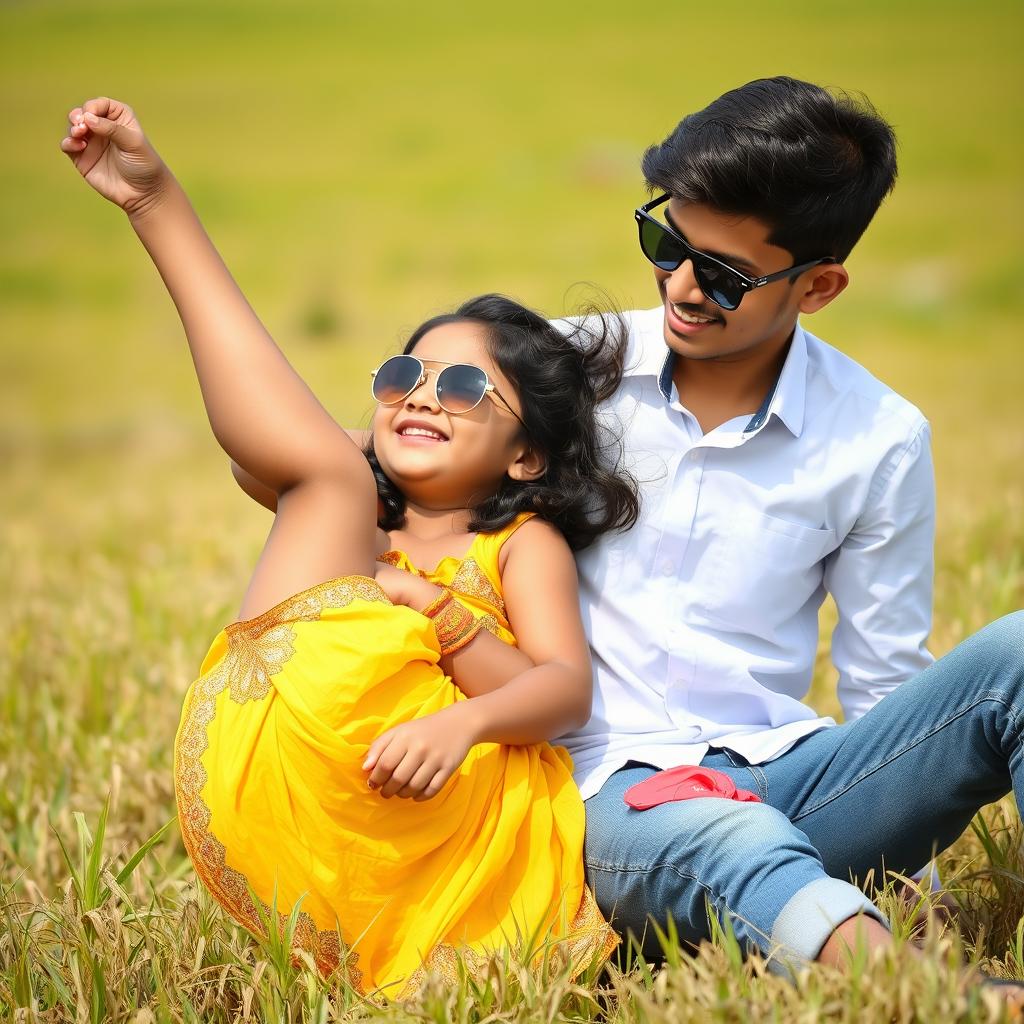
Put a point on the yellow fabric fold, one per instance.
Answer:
(272, 795)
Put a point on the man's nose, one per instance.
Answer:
(681, 286)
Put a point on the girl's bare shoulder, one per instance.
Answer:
(536, 540)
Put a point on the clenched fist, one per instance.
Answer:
(107, 146)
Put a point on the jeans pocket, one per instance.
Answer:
(741, 771)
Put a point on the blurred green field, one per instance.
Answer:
(362, 166)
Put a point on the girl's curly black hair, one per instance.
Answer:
(560, 375)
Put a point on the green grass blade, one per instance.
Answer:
(94, 883)
(76, 873)
(128, 870)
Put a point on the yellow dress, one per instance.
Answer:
(272, 797)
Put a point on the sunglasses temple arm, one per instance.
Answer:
(511, 410)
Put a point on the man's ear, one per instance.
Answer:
(825, 283)
(529, 465)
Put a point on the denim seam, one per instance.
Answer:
(646, 868)
(638, 868)
(717, 901)
(762, 781)
(598, 865)
(981, 699)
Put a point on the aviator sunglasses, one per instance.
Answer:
(458, 387)
(722, 284)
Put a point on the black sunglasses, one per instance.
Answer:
(722, 284)
(458, 387)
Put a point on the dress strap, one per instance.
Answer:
(488, 545)
(505, 532)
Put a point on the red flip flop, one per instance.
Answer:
(687, 782)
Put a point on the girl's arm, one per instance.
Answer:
(529, 695)
(261, 412)
(484, 664)
(551, 693)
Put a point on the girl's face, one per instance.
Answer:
(444, 461)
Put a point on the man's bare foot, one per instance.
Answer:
(1010, 992)
(853, 934)
(858, 933)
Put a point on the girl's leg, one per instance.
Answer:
(325, 527)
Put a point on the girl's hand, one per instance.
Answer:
(417, 758)
(404, 588)
(106, 145)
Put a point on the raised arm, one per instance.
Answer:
(262, 413)
(259, 492)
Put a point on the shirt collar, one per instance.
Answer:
(645, 350)
(788, 396)
(785, 400)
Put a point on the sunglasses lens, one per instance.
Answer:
(667, 253)
(717, 283)
(461, 387)
(396, 377)
(659, 246)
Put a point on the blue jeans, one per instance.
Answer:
(879, 794)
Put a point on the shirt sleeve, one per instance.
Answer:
(881, 579)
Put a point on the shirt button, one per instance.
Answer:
(695, 456)
(667, 568)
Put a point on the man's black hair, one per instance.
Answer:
(814, 166)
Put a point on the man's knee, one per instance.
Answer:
(1005, 637)
(680, 859)
(688, 834)
(996, 653)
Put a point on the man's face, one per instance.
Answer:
(697, 328)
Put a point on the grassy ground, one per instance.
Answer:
(362, 166)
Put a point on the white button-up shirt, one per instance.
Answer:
(703, 618)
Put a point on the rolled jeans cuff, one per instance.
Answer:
(810, 916)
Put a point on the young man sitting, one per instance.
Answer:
(775, 470)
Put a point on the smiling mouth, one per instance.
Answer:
(426, 433)
(692, 318)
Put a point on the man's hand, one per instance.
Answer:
(416, 759)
